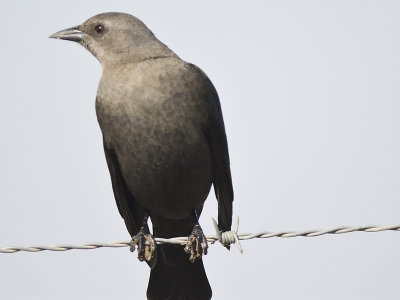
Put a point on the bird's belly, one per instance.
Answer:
(168, 171)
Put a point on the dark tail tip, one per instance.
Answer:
(180, 280)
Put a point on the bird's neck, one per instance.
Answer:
(136, 55)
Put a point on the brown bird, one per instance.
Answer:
(165, 145)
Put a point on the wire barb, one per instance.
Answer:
(230, 236)
(227, 238)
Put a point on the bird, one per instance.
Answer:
(165, 145)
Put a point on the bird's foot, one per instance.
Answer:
(146, 245)
(196, 244)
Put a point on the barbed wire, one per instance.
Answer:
(224, 238)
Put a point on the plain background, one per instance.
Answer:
(310, 95)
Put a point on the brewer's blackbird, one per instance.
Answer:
(165, 145)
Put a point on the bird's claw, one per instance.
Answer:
(146, 246)
(196, 244)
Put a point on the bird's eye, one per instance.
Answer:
(99, 29)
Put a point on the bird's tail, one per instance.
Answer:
(174, 277)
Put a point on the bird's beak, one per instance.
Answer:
(70, 34)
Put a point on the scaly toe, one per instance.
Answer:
(196, 244)
(146, 246)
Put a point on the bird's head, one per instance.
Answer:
(115, 38)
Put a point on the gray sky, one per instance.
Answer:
(310, 94)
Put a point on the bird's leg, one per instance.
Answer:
(196, 244)
(144, 241)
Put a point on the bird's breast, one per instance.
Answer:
(160, 144)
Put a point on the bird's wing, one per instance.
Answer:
(222, 182)
(130, 210)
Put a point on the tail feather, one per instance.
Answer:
(174, 277)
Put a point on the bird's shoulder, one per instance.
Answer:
(167, 74)
(172, 69)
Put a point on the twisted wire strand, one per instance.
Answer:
(211, 239)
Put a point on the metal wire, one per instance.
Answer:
(211, 239)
